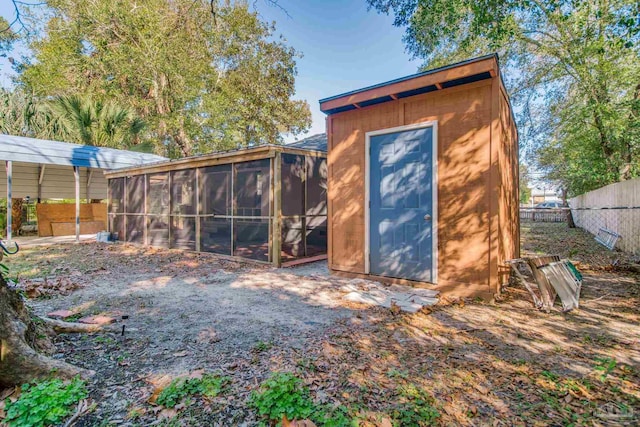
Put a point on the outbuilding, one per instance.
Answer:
(38, 170)
(267, 203)
(423, 179)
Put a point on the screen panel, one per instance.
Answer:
(183, 233)
(134, 202)
(215, 190)
(293, 184)
(116, 195)
(316, 197)
(316, 236)
(292, 239)
(251, 239)
(116, 226)
(251, 188)
(158, 232)
(158, 194)
(215, 235)
(135, 229)
(183, 192)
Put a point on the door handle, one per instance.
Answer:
(427, 217)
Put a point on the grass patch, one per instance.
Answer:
(209, 385)
(45, 403)
(415, 408)
(605, 365)
(262, 346)
(285, 394)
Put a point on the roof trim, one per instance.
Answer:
(244, 154)
(427, 81)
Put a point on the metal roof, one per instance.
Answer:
(315, 142)
(42, 151)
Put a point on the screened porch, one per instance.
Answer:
(266, 203)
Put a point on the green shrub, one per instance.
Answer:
(606, 366)
(210, 385)
(282, 394)
(45, 403)
(416, 408)
(334, 416)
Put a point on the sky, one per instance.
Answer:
(344, 47)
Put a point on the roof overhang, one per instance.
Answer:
(472, 70)
(46, 152)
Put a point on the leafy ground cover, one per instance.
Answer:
(462, 362)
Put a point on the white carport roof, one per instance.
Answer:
(42, 151)
(54, 169)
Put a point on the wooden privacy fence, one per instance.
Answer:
(614, 208)
(543, 215)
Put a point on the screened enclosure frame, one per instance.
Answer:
(266, 203)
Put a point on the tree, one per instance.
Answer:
(203, 75)
(575, 73)
(525, 191)
(98, 123)
(24, 115)
(25, 338)
(7, 36)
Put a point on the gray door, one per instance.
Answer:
(401, 211)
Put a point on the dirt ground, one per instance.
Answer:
(498, 363)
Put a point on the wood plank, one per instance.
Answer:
(304, 261)
(49, 213)
(196, 162)
(69, 228)
(445, 289)
(494, 190)
(300, 151)
(277, 210)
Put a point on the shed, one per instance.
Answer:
(266, 203)
(44, 169)
(423, 179)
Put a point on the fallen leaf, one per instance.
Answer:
(196, 374)
(167, 413)
(374, 419)
(395, 308)
(481, 389)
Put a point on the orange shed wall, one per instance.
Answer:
(509, 212)
(468, 180)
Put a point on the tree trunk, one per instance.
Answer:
(570, 222)
(16, 216)
(21, 340)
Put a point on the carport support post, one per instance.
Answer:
(76, 174)
(9, 169)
